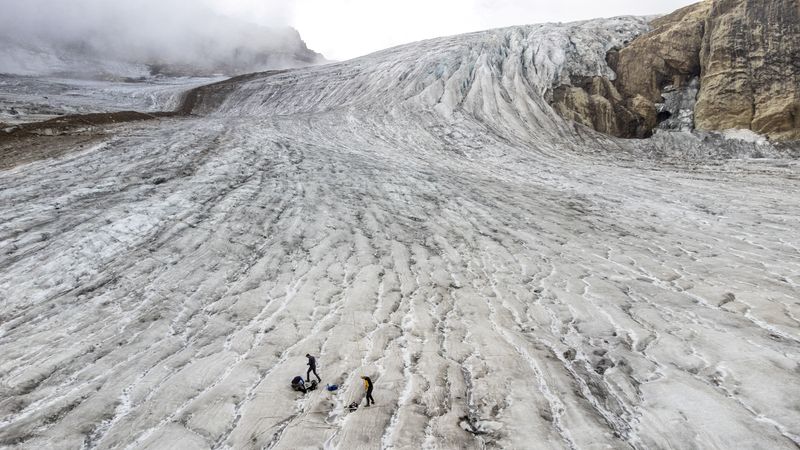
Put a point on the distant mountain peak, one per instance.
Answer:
(216, 45)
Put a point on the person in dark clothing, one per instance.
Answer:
(368, 387)
(312, 368)
(298, 384)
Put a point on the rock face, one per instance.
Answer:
(627, 107)
(751, 68)
(596, 103)
(669, 55)
(736, 58)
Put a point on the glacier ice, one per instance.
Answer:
(419, 215)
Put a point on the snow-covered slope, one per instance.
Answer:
(500, 78)
(420, 216)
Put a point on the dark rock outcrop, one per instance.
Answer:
(596, 103)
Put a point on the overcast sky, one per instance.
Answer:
(339, 29)
(342, 29)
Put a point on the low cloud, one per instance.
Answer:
(178, 32)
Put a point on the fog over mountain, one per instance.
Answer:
(176, 36)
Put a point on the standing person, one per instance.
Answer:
(312, 368)
(368, 387)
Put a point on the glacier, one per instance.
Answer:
(419, 215)
(27, 99)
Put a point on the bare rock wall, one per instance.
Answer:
(745, 54)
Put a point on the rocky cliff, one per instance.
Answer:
(751, 68)
(736, 58)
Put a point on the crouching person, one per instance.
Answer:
(298, 384)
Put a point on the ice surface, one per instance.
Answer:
(421, 216)
(678, 106)
(30, 99)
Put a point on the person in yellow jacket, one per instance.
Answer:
(368, 388)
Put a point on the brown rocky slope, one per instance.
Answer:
(743, 54)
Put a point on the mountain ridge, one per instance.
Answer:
(221, 46)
